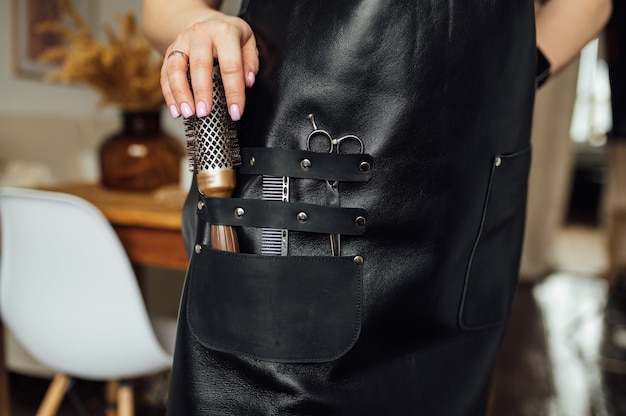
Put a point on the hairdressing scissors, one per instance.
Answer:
(332, 187)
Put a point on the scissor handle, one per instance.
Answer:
(334, 144)
(347, 137)
(316, 132)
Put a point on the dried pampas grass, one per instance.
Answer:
(124, 69)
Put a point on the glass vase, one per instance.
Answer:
(141, 156)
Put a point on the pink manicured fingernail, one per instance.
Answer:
(251, 78)
(186, 110)
(201, 110)
(174, 111)
(234, 112)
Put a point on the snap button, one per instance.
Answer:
(302, 217)
(305, 164)
(252, 161)
(360, 221)
(358, 260)
(365, 166)
(239, 212)
(498, 161)
(200, 205)
(198, 248)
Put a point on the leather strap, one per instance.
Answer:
(342, 167)
(283, 215)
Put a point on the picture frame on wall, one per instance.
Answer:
(28, 44)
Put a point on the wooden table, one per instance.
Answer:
(148, 225)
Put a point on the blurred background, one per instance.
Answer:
(565, 351)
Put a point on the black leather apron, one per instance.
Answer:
(408, 319)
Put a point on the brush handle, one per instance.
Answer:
(220, 184)
(224, 238)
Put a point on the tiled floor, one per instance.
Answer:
(551, 362)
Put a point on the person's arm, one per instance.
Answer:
(564, 27)
(202, 33)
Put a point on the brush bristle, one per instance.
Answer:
(192, 144)
(212, 140)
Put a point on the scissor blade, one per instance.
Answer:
(332, 200)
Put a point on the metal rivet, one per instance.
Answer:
(305, 164)
(358, 260)
(198, 248)
(360, 221)
(239, 212)
(251, 161)
(498, 161)
(302, 217)
(365, 166)
(200, 205)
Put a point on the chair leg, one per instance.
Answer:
(54, 396)
(112, 389)
(125, 399)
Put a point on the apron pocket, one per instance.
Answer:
(493, 267)
(275, 308)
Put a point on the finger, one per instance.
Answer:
(167, 94)
(250, 56)
(201, 73)
(231, 70)
(176, 74)
(229, 55)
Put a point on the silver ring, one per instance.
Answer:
(179, 53)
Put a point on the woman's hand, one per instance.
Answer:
(206, 35)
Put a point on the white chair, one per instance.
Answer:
(70, 296)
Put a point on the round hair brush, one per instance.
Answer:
(213, 155)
